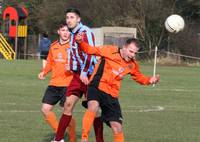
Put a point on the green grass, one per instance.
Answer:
(177, 93)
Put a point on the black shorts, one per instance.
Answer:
(44, 54)
(111, 110)
(54, 94)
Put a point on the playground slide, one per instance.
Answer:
(5, 49)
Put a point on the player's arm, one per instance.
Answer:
(91, 50)
(87, 37)
(48, 66)
(141, 78)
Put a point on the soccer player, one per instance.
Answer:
(60, 78)
(104, 86)
(82, 66)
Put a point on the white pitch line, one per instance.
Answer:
(20, 111)
(158, 108)
(145, 109)
(141, 109)
(175, 90)
(20, 104)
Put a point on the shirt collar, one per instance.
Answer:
(77, 28)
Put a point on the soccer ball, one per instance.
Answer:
(174, 23)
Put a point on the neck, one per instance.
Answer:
(63, 41)
(121, 53)
(75, 29)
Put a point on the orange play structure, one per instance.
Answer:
(14, 26)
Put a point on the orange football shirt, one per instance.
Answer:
(112, 68)
(56, 64)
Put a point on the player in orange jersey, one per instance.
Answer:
(104, 86)
(60, 78)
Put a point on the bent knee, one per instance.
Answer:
(68, 108)
(93, 106)
(116, 127)
(45, 111)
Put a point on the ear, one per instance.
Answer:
(79, 19)
(58, 32)
(124, 46)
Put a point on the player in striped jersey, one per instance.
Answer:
(82, 66)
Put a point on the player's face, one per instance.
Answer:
(64, 33)
(72, 20)
(130, 52)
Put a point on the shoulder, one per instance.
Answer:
(67, 45)
(113, 48)
(85, 29)
(110, 48)
(53, 44)
(135, 64)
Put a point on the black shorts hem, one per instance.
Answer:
(107, 120)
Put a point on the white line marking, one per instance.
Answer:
(20, 104)
(130, 109)
(176, 90)
(144, 109)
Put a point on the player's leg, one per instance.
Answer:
(98, 127)
(117, 131)
(73, 94)
(50, 116)
(111, 114)
(88, 119)
(98, 123)
(50, 98)
(66, 116)
(71, 129)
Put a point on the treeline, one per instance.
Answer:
(147, 16)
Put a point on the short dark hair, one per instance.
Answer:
(45, 34)
(73, 10)
(61, 24)
(132, 40)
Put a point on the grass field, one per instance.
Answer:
(168, 112)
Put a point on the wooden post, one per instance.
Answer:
(25, 48)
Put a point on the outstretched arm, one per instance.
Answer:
(141, 78)
(92, 50)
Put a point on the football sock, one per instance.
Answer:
(87, 122)
(119, 137)
(71, 130)
(98, 129)
(52, 120)
(64, 122)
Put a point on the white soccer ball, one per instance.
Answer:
(174, 23)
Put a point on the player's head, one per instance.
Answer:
(45, 34)
(72, 17)
(63, 31)
(129, 49)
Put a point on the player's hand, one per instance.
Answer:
(154, 79)
(84, 79)
(41, 76)
(67, 67)
(79, 38)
